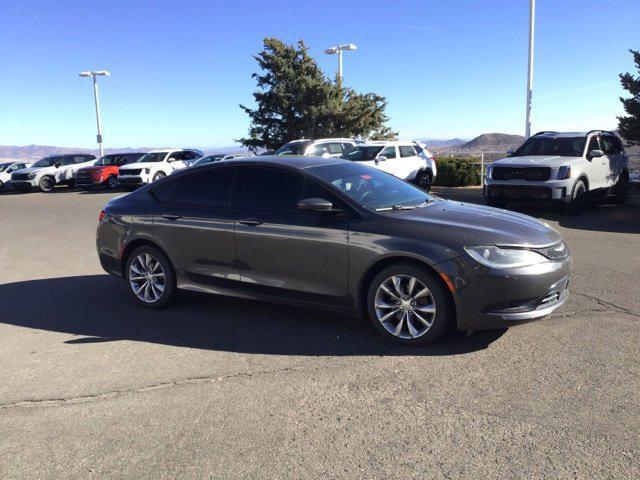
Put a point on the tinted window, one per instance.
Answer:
(165, 192)
(211, 188)
(362, 153)
(347, 147)
(561, 146)
(68, 161)
(611, 145)
(271, 190)
(593, 144)
(389, 152)
(407, 151)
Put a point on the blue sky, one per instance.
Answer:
(180, 69)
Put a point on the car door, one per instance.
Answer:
(389, 163)
(193, 219)
(409, 162)
(282, 251)
(597, 168)
(614, 158)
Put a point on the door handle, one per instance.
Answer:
(251, 222)
(171, 216)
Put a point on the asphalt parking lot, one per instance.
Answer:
(94, 386)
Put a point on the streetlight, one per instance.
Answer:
(94, 74)
(532, 17)
(339, 49)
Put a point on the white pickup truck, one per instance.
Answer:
(154, 165)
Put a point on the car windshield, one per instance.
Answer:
(4, 166)
(292, 148)
(370, 187)
(209, 159)
(47, 162)
(362, 153)
(107, 160)
(560, 146)
(152, 157)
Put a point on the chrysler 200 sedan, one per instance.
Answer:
(333, 233)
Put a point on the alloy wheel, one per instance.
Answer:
(147, 278)
(404, 306)
(112, 182)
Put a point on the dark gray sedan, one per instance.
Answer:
(333, 233)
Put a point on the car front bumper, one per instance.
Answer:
(131, 180)
(554, 190)
(22, 184)
(492, 298)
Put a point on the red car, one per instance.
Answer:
(105, 171)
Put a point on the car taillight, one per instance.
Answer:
(101, 216)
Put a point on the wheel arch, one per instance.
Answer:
(136, 243)
(377, 267)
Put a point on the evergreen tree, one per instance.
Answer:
(295, 100)
(629, 126)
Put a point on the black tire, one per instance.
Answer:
(423, 180)
(495, 202)
(444, 315)
(169, 286)
(112, 182)
(621, 189)
(47, 184)
(159, 175)
(578, 197)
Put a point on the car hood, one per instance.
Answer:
(138, 165)
(536, 161)
(458, 224)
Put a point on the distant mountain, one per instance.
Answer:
(440, 143)
(493, 141)
(36, 152)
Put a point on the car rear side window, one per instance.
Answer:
(210, 188)
(407, 151)
(270, 189)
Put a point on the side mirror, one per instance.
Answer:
(315, 205)
(595, 153)
(510, 152)
(381, 158)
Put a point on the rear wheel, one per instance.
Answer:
(423, 180)
(621, 189)
(47, 184)
(150, 276)
(408, 305)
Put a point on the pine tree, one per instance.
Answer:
(296, 100)
(629, 126)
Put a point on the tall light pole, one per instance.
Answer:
(339, 49)
(96, 98)
(532, 18)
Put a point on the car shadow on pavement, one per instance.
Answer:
(98, 308)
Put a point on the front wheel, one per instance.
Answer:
(578, 196)
(409, 305)
(47, 184)
(112, 182)
(158, 176)
(150, 277)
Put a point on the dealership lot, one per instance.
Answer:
(93, 386)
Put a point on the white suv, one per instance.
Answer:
(405, 160)
(322, 147)
(563, 167)
(6, 169)
(154, 165)
(51, 171)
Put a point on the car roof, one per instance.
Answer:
(570, 134)
(296, 161)
(388, 143)
(323, 140)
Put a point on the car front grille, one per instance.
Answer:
(559, 251)
(530, 174)
(529, 192)
(19, 176)
(83, 178)
(132, 171)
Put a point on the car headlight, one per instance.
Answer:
(488, 172)
(564, 173)
(497, 257)
(31, 176)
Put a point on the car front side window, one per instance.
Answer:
(389, 152)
